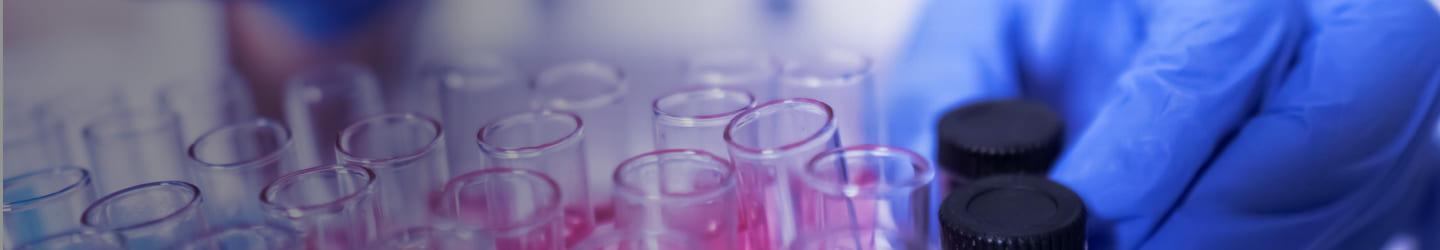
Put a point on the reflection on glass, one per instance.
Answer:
(128, 149)
(153, 215)
(331, 205)
(232, 163)
(45, 202)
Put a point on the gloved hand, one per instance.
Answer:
(1203, 124)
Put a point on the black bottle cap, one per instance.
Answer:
(1013, 212)
(994, 137)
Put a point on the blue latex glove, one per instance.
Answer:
(1203, 124)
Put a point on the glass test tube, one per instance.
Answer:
(764, 142)
(472, 94)
(319, 103)
(83, 239)
(257, 236)
(153, 215)
(441, 236)
(636, 240)
(407, 153)
(232, 163)
(331, 205)
(683, 191)
(851, 238)
(33, 144)
(44, 203)
(550, 143)
(696, 118)
(843, 80)
(874, 191)
(73, 112)
(751, 71)
(206, 105)
(128, 149)
(521, 209)
(595, 91)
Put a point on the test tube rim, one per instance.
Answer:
(26, 204)
(267, 195)
(625, 189)
(925, 172)
(671, 117)
(191, 204)
(548, 212)
(855, 76)
(106, 126)
(268, 157)
(429, 146)
(546, 77)
(529, 150)
(772, 65)
(825, 130)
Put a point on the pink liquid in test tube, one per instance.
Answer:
(680, 191)
(879, 194)
(764, 142)
(550, 143)
(520, 209)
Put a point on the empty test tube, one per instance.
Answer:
(127, 149)
(471, 94)
(73, 112)
(636, 240)
(232, 163)
(550, 143)
(46, 202)
(84, 239)
(595, 91)
(682, 191)
(321, 102)
(156, 215)
(32, 144)
(407, 153)
(876, 192)
(751, 71)
(521, 209)
(241, 237)
(764, 142)
(842, 79)
(331, 205)
(440, 236)
(206, 105)
(696, 118)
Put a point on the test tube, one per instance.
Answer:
(127, 149)
(331, 205)
(407, 153)
(850, 238)
(752, 71)
(595, 91)
(73, 112)
(206, 105)
(321, 102)
(636, 240)
(696, 118)
(843, 80)
(764, 142)
(45, 202)
(441, 236)
(153, 215)
(876, 191)
(232, 163)
(521, 209)
(33, 144)
(684, 191)
(255, 236)
(472, 94)
(83, 239)
(551, 143)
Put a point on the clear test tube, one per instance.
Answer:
(154, 215)
(636, 240)
(696, 118)
(764, 142)
(206, 105)
(127, 149)
(321, 102)
(595, 91)
(33, 144)
(255, 236)
(521, 209)
(232, 163)
(747, 70)
(84, 239)
(73, 112)
(407, 153)
(472, 94)
(331, 205)
(842, 79)
(876, 192)
(684, 191)
(441, 236)
(851, 238)
(46, 202)
(550, 143)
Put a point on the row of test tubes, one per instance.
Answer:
(727, 170)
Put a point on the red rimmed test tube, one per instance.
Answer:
(696, 118)
(764, 142)
(520, 209)
(233, 162)
(551, 143)
(332, 206)
(681, 191)
(43, 203)
(407, 153)
(154, 215)
(598, 93)
(878, 194)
